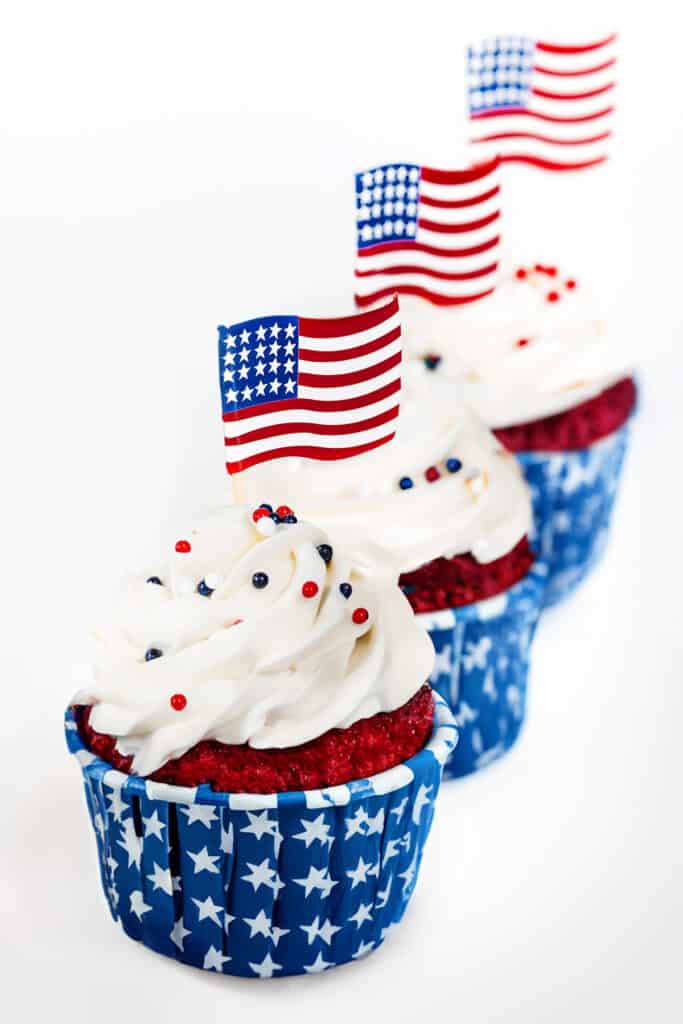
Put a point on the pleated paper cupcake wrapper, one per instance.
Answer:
(573, 495)
(481, 669)
(263, 886)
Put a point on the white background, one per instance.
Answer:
(166, 167)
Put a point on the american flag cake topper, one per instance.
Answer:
(430, 233)
(309, 388)
(544, 104)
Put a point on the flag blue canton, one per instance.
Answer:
(387, 203)
(500, 71)
(259, 361)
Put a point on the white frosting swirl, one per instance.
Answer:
(483, 508)
(293, 668)
(569, 357)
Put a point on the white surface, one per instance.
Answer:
(167, 166)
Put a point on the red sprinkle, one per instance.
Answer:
(178, 701)
(552, 296)
(283, 510)
(522, 342)
(570, 284)
(551, 271)
(236, 622)
(432, 474)
(360, 615)
(520, 273)
(183, 546)
(539, 268)
(259, 513)
(310, 588)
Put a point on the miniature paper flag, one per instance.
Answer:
(544, 104)
(426, 232)
(315, 389)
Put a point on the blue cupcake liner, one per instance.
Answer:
(573, 495)
(481, 668)
(263, 886)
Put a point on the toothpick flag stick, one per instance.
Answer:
(316, 389)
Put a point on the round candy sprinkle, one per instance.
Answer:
(432, 474)
(522, 342)
(520, 273)
(453, 465)
(236, 622)
(405, 483)
(266, 506)
(266, 527)
(550, 271)
(152, 653)
(290, 519)
(260, 513)
(571, 283)
(310, 588)
(212, 580)
(552, 296)
(284, 510)
(204, 589)
(178, 701)
(183, 546)
(155, 579)
(325, 552)
(432, 361)
(260, 580)
(360, 615)
(345, 590)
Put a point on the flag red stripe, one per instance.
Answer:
(307, 452)
(542, 138)
(457, 229)
(432, 250)
(436, 177)
(554, 48)
(316, 404)
(551, 165)
(573, 74)
(330, 355)
(573, 95)
(459, 204)
(422, 293)
(324, 429)
(340, 380)
(334, 328)
(442, 275)
(542, 117)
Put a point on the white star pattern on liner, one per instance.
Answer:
(466, 715)
(266, 968)
(208, 909)
(259, 925)
(476, 654)
(261, 825)
(316, 830)
(318, 965)
(117, 807)
(376, 824)
(177, 884)
(422, 800)
(214, 959)
(205, 813)
(356, 824)
(489, 687)
(324, 931)
(442, 663)
(359, 875)
(363, 950)
(317, 878)
(130, 842)
(383, 895)
(154, 826)
(112, 864)
(113, 894)
(161, 879)
(227, 920)
(227, 839)
(204, 861)
(99, 824)
(262, 874)
(409, 877)
(178, 933)
(399, 809)
(363, 914)
(138, 905)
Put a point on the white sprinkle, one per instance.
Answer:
(212, 580)
(266, 527)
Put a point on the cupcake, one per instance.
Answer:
(260, 750)
(537, 365)
(449, 502)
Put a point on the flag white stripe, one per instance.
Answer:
(337, 366)
(544, 150)
(414, 258)
(471, 190)
(299, 415)
(463, 240)
(460, 215)
(349, 391)
(238, 452)
(555, 130)
(450, 289)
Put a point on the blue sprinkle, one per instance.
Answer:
(405, 483)
(453, 465)
(275, 517)
(264, 504)
(153, 653)
(154, 579)
(346, 590)
(290, 519)
(325, 552)
(204, 589)
(259, 580)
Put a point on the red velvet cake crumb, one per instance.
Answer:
(453, 582)
(575, 428)
(340, 755)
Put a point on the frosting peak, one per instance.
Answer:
(271, 639)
